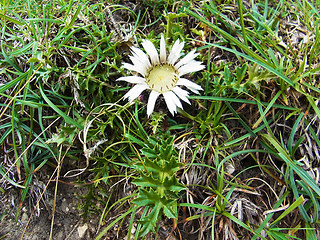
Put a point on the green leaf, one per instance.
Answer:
(10, 19)
(313, 105)
(135, 140)
(310, 232)
(104, 231)
(276, 234)
(149, 152)
(12, 83)
(55, 108)
(292, 206)
(170, 209)
(149, 223)
(3, 173)
(147, 181)
(66, 134)
(284, 155)
(173, 185)
(240, 223)
(146, 198)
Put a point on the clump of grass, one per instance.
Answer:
(242, 160)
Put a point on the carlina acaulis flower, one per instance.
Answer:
(162, 74)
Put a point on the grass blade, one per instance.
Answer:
(61, 113)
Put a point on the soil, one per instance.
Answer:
(36, 224)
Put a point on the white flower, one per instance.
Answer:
(162, 74)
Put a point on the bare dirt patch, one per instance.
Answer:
(35, 223)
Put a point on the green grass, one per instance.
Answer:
(240, 162)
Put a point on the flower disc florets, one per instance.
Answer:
(162, 74)
(162, 78)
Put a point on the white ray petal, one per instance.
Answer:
(190, 85)
(192, 66)
(175, 52)
(188, 58)
(163, 53)
(141, 56)
(135, 91)
(174, 101)
(137, 68)
(182, 94)
(138, 63)
(194, 90)
(170, 103)
(135, 59)
(151, 50)
(152, 101)
(132, 79)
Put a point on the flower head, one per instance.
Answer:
(162, 74)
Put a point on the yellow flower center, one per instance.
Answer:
(162, 78)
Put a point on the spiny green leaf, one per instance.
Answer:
(149, 152)
(168, 168)
(173, 185)
(149, 222)
(147, 181)
(146, 198)
(170, 209)
(65, 134)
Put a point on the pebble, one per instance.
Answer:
(82, 230)
(24, 218)
(64, 206)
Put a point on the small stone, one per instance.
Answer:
(229, 168)
(24, 218)
(82, 230)
(64, 206)
(133, 230)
